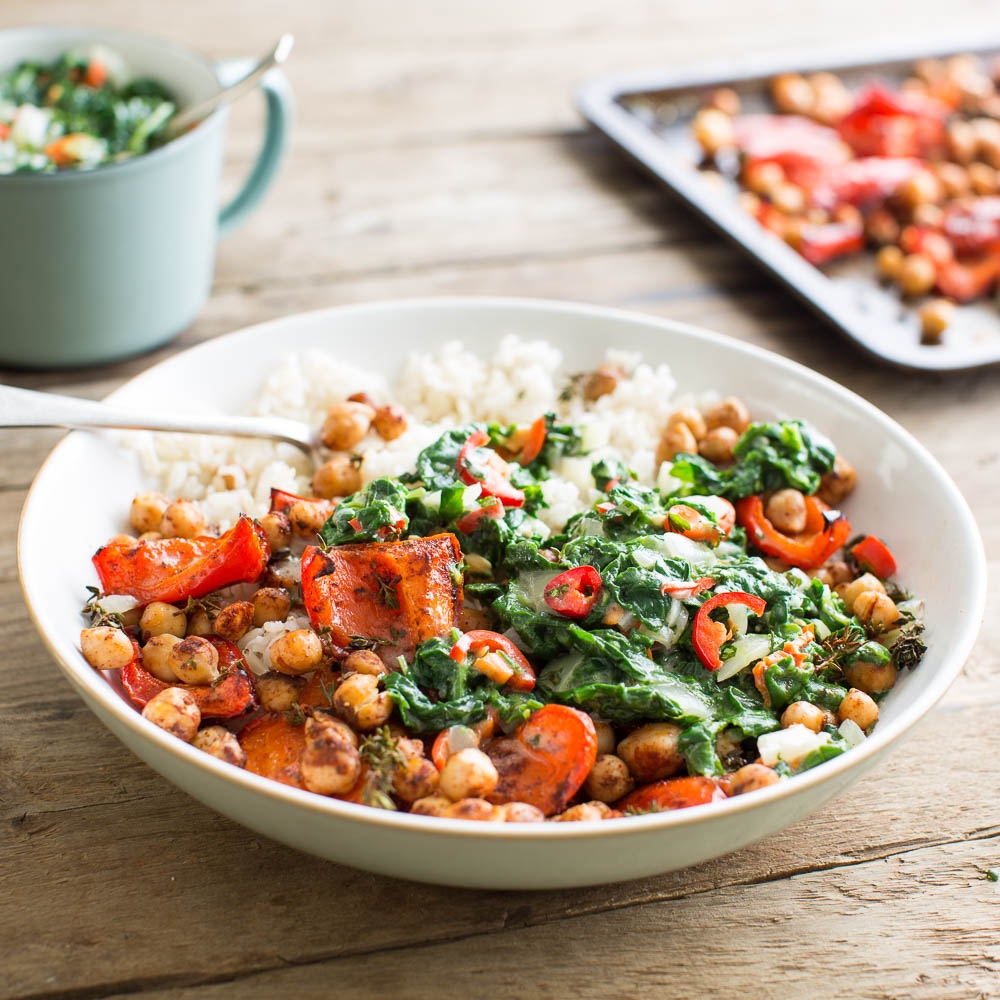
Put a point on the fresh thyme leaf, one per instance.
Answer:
(908, 650)
(380, 751)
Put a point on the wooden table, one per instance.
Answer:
(437, 152)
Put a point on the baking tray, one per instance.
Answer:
(648, 114)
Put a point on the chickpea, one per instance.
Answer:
(106, 647)
(919, 189)
(183, 519)
(838, 482)
(175, 711)
(519, 812)
(930, 217)
(390, 422)
(840, 571)
(749, 202)
(726, 100)
(983, 178)
(271, 604)
(219, 742)
(346, 424)
(340, 476)
(234, 620)
(468, 774)
(882, 227)
(156, 657)
(278, 692)
(786, 510)
(150, 536)
(194, 660)
(606, 739)
(147, 511)
(803, 713)
(750, 778)
(930, 70)
(583, 812)
(359, 701)
(934, 319)
(917, 275)
(849, 592)
(833, 99)
(717, 445)
(793, 94)
(677, 438)
(307, 517)
(730, 412)
(954, 179)
(471, 808)
(431, 805)
(876, 609)
(609, 779)
(199, 622)
(278, 530)
(331, 764)
(713, 130)
(859, 707)
(788, 198)
(296, 652)
(888, 261)
(871, 677)
(159, 618)
(651, 751)
(365, 661)
(962, 141)
(415, 779)
(691, 418)
(602, 381)
(763, 178)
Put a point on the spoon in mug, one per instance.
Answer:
(27, 408)
(183, 120)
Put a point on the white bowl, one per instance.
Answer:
(903, 494)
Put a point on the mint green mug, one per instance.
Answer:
(97, 265)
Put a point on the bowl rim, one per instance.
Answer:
(92, 684)
(133, 163)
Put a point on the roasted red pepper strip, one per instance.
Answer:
(574, 593)
(969, 279)
(481, 642)
(174, 569)
(920, 239)
(673, 793)
(886, 123)
(867, 181)
(228, 698)
(804, 149)
(708, 635)
(683, 589)
(537, 434)
(973, 225)
(479, 463)
(809, 550)
(874, 556)
(820, 244)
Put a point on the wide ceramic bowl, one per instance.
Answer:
(903, 494)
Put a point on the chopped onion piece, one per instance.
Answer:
(789, 745)
(749, 649)
(852, 732)
(117, 604)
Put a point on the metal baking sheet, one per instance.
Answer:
(648, 114)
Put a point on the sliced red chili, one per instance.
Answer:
(481, 642)
(874, 556)
(574, 593)
(537, 434)
(826, 531)
(683, 589)
(478, 463)
(468, 523)
(708, 635)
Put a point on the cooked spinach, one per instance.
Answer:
(376, 513)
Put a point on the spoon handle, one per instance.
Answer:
(26, 408)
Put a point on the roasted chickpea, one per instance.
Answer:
(651, 752)
(338, 477)
(609, 779)
(729, 412)
(786, 510)
(271, 604)
(850, 591)
(752, 777)
(934, 319)
(677, 438)
(606, 739)
(788, 198)
(415, 779)
(331, 764)
(749, 202)
(713, 130)
(954, 179)
(840, 571)
(471, 808)
(962, 141)
(919, 189)
(390, 421)
(175, 711)
(602, 381)
(431, 805)
(365, 661)
(859, 707)
(838, 482)
(888, 261)
(468, 774)
(519, 812)
(146, 512)
(296, 652)
(982, 178)
(150, 536)
(156, 657)
(199, 621)
(803, 713)
(159, 618)
(690, 417)
(833, 99)
(278, 530)
(583, 812)
(917, 275)
(717, 445)
(793, 94)
(763, 178)
(219, 742)
(307, 517)
(234, 620)
(930, 216)
(278, 692)
(726, 100)
(346, 424)
(359, 701)
(183, 519)
(194, 660)
(284, 573)
(106, 647)
(871, 677)
(876, 609)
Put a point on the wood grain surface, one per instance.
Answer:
(437, 152)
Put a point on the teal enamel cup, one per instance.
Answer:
(102, 264)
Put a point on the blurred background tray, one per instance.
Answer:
(648, 114)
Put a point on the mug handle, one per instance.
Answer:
(280, 108)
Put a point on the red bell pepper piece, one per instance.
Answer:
(282, 500)
(683, 589)
(231, 696)
(708, 635)
(482, 642)
(809, 550)
(673, 793)
(887, 123)
(973, 225)
(468, 523)
(574, 593)
(537, 434)
(174, 569)
(874, 556)
(969, 279)
(478, 463)
(820, 244)
(804, 149)
(96, 74)
(4, 131)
